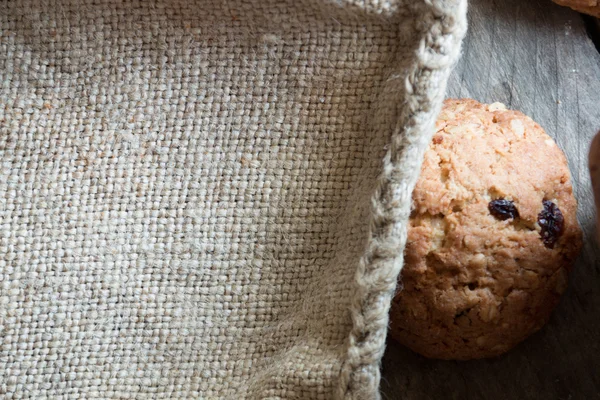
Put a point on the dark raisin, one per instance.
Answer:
(503, 209)
(552, 223)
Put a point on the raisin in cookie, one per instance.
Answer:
(492, 236)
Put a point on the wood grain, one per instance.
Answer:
(536, 57)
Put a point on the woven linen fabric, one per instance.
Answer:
(208, 199)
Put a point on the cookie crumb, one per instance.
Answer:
(496, 107)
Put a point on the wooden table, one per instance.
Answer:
(536, 57)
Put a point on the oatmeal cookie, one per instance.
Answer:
(492, 236)
(591, 7)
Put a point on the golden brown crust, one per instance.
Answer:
(594, 166)
(591, 7)
(475, 286)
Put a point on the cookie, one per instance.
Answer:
(594, 166)
(492, 236)
(591, 7)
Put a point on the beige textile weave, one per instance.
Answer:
(207, 199)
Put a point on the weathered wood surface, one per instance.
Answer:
(536, 57)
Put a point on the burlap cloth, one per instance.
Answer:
(208, 199)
